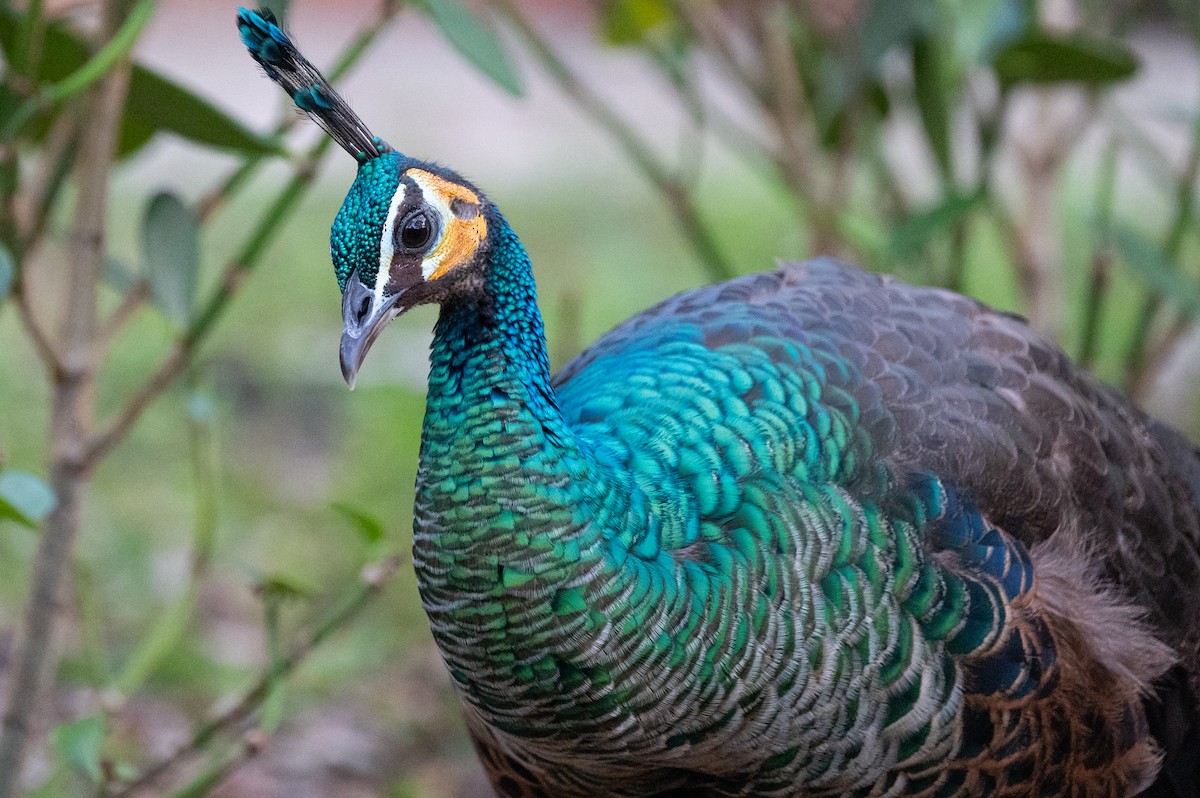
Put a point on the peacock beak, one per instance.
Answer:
(364, 315)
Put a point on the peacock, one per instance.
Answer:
(808, 532)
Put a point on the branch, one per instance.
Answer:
(372, 581)
(350, 56)
(180, 356)
(116, 321)
(231, 280)
(1138, 367)
(72, 409)
(677, 196)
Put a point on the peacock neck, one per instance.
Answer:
(489, 363)
(502, 476)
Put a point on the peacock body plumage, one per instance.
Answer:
(810, 532)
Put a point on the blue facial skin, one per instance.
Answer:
(354, 239)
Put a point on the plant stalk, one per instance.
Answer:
(71, 418)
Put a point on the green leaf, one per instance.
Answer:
(929, 86)
(276, 586)
(158, 104)
(171, 247)
(630, 21)
(200, 408)
(154, 103)
(913, 232)
(6, 273)
(79, 743)
(475, 41)
(1153, 270)
(153, 650)
(25, 498)
(1040, 58)
(112, 51)
(366, 525)
(119, 277)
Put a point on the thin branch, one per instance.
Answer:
(42, 187)
(372, 581)
(1138, 367)
(33, 327)
(252, 744)
(706, 25)
(686, 213)
(71, 415)
(133, 300)
(354, 51)
(231, 280)
(1102, 256)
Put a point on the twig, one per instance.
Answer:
(706, 25)
(41, 189)
(134, 298)
(72, 408)
(33, 327)
(231, 279)
(252, 744)
(1138, 367)
(373, 579)
(350, 56)
(1102, 256)
(677, 196)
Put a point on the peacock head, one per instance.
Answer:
(408, 232)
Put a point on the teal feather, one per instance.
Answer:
(807, 532)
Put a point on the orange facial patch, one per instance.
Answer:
(465, 226)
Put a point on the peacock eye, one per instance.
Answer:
(416, 231)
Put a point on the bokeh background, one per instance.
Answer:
(257, 486)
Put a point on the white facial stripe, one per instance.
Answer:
(387, 247)
(434, 199)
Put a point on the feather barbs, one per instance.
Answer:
(283, 63)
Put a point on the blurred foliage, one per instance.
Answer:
(245, 495)
(821, 89)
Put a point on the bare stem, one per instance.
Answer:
(678, 197)
(350, 56)
(71, 415)
(130, 303)
(1139, 366)
(231, 280)
(1102, 257)
(373, 580)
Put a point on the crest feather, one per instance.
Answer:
(308, 88)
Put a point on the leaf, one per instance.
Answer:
(6, 273)
(200, 408)
(165, 635)
(79, 743)
(171, 247)
(25, 498)
(366, 525)
(273, 587)
(120, 277)
(629, 21)
(1040, 58)
(929, 86)
(154, 102)
(1011, 20)
(475, 41)
(913, 232)
(161, 105)
(114, 49)
(1153, 270)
